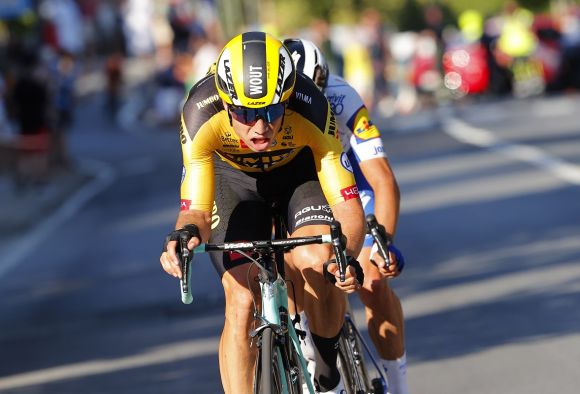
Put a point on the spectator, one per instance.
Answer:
(64, 77)
(30, 106)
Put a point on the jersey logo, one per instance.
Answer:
(304, 97)
(364, 128)
(207, 101)
(182, 174)
(336, 103)
(262, 161)
(182, 137)
(332, 126)
(349, 192)
(345, 162)
(185, 204)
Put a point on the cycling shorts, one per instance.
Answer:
(243, 201)
(367, 195)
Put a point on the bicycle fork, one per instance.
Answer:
(275, 315)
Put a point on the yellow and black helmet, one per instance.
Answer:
(255, 70)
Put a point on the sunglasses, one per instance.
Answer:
(249, 116)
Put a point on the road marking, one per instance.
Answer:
(487, 291)
(103, 175)
(158, 355)
(468, 134)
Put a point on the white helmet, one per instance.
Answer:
(308, 60)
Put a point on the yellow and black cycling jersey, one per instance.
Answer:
(308, 122)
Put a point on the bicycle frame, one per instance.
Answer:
(274, 295)
(273, 289)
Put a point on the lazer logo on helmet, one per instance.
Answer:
(282, 64)
(256, 81)
(230, 80)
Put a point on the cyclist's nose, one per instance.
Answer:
(261, 126)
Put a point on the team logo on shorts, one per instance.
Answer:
(345, 162)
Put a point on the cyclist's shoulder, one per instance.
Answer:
(343, 98)
(202, 103)
(308, 102)
(339, 86)
(203, 92)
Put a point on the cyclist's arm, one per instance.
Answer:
(351, 217)
(197, 189)
(338, 184)
(380, 177)
(367, 145)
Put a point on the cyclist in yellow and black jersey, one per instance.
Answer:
(254, 134)
(307, 123)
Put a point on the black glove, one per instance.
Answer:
(188, 232)
(360, 276)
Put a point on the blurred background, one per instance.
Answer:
(478, 104)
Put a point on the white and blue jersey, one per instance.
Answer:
(359, 136)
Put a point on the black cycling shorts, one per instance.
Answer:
(243, 201)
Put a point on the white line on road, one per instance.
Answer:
(486, 139)
(160, 355)
(104, 176)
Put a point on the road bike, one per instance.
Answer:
(354, 355)
(280, 365)
(353, 362)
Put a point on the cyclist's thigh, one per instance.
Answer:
(239, 214)
(308, 215)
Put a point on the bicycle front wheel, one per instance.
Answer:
(351, 363)
(272, 376)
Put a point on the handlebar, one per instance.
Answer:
(380, 236)
(266, 246)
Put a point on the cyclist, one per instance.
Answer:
(255, 133)
(379, 194)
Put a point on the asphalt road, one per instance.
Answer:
(490, 226)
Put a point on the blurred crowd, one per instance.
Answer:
(448, 57)
(50, 48)
(47, 46)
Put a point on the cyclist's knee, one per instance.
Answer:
(376, 292)
(309, 260)
(238, 297)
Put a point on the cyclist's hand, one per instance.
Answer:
(397, 261)
(350, 284)
(171, 255)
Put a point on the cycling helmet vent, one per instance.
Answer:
(308, 60)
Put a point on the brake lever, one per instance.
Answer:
(339, 246)
(381, 240)
(185, 263)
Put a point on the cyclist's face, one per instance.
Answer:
(257, 135)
